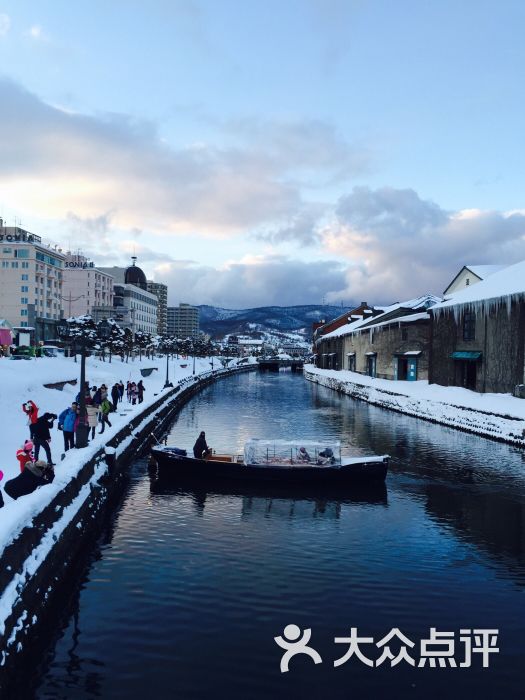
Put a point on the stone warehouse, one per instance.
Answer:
(478, 335)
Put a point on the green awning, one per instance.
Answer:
(464, 355)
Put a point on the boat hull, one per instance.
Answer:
(176, 466)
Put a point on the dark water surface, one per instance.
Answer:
(187, 590)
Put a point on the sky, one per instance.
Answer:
(268, 152)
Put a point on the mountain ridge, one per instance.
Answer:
(218, 322)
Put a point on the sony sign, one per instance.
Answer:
(19, 236)
(79, 265)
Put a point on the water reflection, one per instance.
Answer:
(194, 578)
(268, 498)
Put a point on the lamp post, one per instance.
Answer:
(167, 382)
(194, 360)
(63, 331)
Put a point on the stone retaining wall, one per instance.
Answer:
(489, 425)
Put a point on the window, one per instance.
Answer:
(21, 253)
(23, 312)
(14, 264)
(24, 288)
(467, 281)
(25, 265)
(25, 277)
(469, 326)
(7, 250)
(24, 324)
(404, 333)
(5, 264)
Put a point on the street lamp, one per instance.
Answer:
(194, 360)
(167, 383)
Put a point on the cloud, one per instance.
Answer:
(54, 161)
(257, 281)
(398, 245)
(303, 228)
(36, 33)
(5, 24)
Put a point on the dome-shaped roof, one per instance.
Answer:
(134, 275)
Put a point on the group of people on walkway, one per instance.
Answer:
(135, 392)
(100, 402)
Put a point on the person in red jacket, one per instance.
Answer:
(31, 409)
(25, 454)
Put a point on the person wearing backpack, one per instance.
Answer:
(105, 410)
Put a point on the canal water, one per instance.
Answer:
(187, 589)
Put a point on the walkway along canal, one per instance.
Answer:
(186, 589)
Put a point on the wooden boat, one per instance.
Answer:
(273, 461)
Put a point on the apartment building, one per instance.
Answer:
(31, 278)
(183, 321)
(84, 286)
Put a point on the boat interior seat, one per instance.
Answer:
(221, 458)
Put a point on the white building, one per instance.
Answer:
(84, 286)
(133, 306)
(31, 275)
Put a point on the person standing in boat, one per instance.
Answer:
(201, 449)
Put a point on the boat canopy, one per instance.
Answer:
(327, 452)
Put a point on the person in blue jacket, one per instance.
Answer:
(68, 421)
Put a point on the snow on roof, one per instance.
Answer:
(483, 271)
(501, 287)
(360, 324)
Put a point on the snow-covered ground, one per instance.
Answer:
(23, 380)
(500, 416)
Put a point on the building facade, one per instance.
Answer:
(478, 335)
(84, 286)
(161, 292)
(183, 321)
(133, 306)
(31, 277)
(389, 343)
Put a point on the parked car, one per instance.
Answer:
(52, 351)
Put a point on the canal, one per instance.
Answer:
(186, 590)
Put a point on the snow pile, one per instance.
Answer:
(498, 416)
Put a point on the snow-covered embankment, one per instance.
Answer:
(496, 416)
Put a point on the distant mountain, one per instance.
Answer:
(296, 319)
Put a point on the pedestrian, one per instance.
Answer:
(114, 394)
(134, 393)
(105, 409)
(42, 436)
(86, 392)
(140, 391)
(25, 454)
(1, 497)
(120, 390)
(34, 475)
(103, 392)
(92, 415)
(97, 396)
(31, 410)
(128, 391)
(201, 449)
(68, 422)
